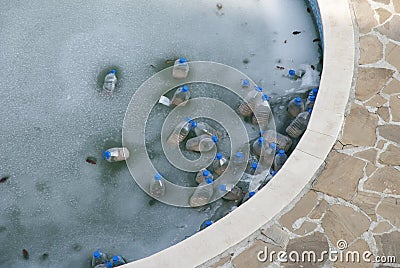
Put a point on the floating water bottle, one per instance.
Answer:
(258, 146)
(202, 194)
(180, 69)
(295, 74)
(279, 160)
(180, 132)
(204, 128)
(245, 83)
(299, 124)
(238, 158)
(117, 261)
(203, 143)
(203, 175)
(248, 196)
(181, 95)
(205, 224)
(313, 92)
(310, 102)
(219, 165)
(295, 107)
(231, 192)
(267, 157)
(116, 154)
(157, 187)
(99, 257)
(262, 112)
(109, 82)
(282, 141)
(252, 98)
(252, 165)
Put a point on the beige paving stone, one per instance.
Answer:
(248, 258)
(395, 107)
(391, 156)
(367, 203)
(352, 259)
(370, 81)
(369, 169)
(305, 228)
(278, 235)
(341, 175)
(301, 209)
(383, 14)
(382, 227)
(341, 222)
(388, 244)
(376, 101)
(359, 128)
(386, 2)
(364, 15)
(383, 112)
(396, 4)
(393, 53)
(221, 262)
(392, 88)
(389, 209)
(371, 49)
(315, 242)
(390, 132)
(384, 180)
(391, 28)
(319, 210)
(369, 155)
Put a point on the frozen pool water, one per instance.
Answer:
(54, 55)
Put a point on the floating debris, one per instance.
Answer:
(280, 67)
(296, 32)
(152, 202)
(316, 40)
(313, 67)
(219, 5)
(308, 10)
(44, 256)
(169, 61)
(4, 179)
(91, 160)
(246, 61)
(285, 41)
(25, 254)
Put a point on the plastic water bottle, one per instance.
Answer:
(310, 102)
(203, 143)
(181, 95)
(245, 83)
(282, 141)
(231, 192)
(248, 196)
(204, 128)
(279, 160)
(252, 165)
(262, 112)
(109, 82)
(205, 224)
(157, 187)
(116, 154)
(99, 257)
(180, 132)
(117, 261)
(202, 194)
(219, 165)
(299, 124)
(267, 156)
(252, 98)
(295, 74)
(295, 107)
(203, 175)
(238, 158)
(180, 69)
(258, 146)
(313, 92)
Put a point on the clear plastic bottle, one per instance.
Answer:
(203, 143)
(232, 192)
(258, 146)
(117, 261)
(110, 80)
(282, 141)
(310, 102)
(204, 128)
(299, 124)
(295, 107)
(262, 112)
(203, 175)
(219, 165)
(238, 158)
(180, 69)
(157, 187)
(181, 95)
(252, 98)
(180, 132)
(202, 194)
(313, 92)
(279, 160)
(99, 257)
(116, 154)
(205, 224)
(267, 156)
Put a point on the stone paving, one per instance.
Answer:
(356, 198)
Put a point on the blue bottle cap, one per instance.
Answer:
(315, 91)
(209, 181)
(239, 154)
(206, 173)
(214, 139)
(272, 172)
(223, 187)
(298, 100)
(185, 88)
(218, 156)
(208, 223)
(113, 71)
(107, 155)
(292, 72)
(258, 88)
(312, 98)
(281, 152)
(251, 194)
(272, 145)
(193, 124)
(245, 82)
(182, 60)
(115, 258)
(265, 97)
(96, 254)
(309, 110)
(157, 177)
(260, 140)
(254, 165)
(109, 264)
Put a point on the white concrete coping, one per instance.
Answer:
(302, 165)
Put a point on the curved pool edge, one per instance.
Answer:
(303, 164)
